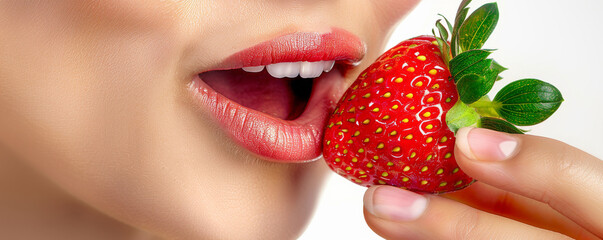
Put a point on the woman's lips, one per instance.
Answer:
(339, 45)
(275, 139)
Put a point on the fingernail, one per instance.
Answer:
(486, 145)
(394, 204)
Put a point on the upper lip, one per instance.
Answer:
(338, 45)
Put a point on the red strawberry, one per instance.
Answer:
(395, 125)
(390, 126)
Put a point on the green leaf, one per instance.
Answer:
(474, 75)
(500, 125)
(463, 6)
(478, 27)
(527, 102)
(443, 41)
(444, 48)
(472, 87)
(461, 115)
(498, 68)
(450, 28)
(460, 17)
(465, 60)
(442, 29)
(461, 14)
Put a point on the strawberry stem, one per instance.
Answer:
(486, 108)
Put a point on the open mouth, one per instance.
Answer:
(274, 99)
(281, 90)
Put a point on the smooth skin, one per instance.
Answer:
(528, 187)
(100, 138)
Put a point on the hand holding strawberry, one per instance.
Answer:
(396, 124)
(529, 188)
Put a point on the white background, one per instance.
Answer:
(560, 42)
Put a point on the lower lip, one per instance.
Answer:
(271, 138)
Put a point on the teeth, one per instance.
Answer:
(284, 69)
(253, 69)
(311, 69)
(328, 65)
(294, 69)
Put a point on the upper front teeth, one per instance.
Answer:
(294, 69)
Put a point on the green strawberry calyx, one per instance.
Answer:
(524, 102)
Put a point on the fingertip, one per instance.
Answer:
(368, 199)
(394, 204)
(486, 145)
(478, 154)
(462, 142)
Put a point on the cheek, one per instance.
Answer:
(79, 81)
(76, 59)
(391, 11)
(123, 13)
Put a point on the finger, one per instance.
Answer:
(526, 210)
(394, 213)
(565, 178)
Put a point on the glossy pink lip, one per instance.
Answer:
(338, 45)
(276, 139)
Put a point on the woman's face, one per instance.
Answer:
(120, 103)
